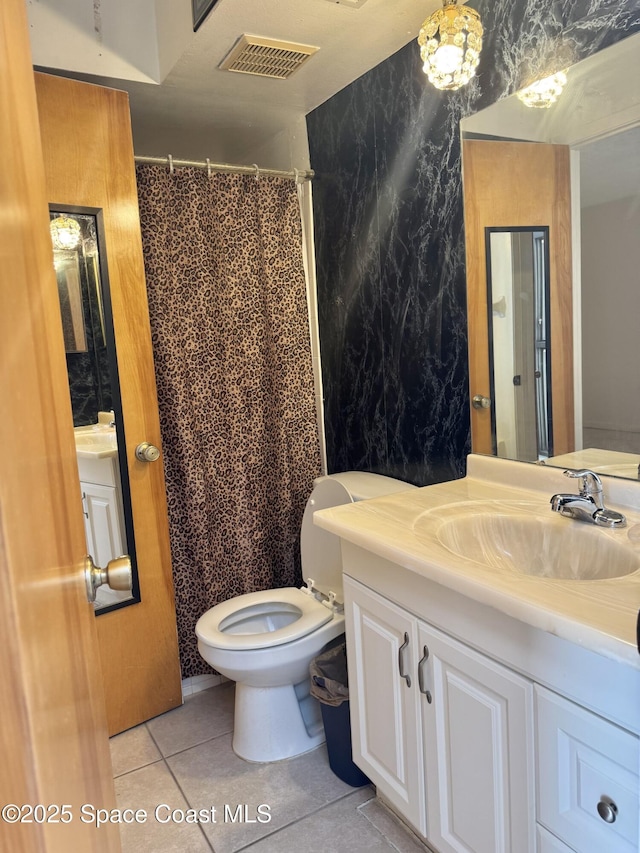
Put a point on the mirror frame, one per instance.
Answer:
(519, 229)
(116, 399)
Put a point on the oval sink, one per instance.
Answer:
(536, 545)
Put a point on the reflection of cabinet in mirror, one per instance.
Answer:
(102, 503)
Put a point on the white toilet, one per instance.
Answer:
(265, 641)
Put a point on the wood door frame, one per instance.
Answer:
(490, 168)
(53, 734)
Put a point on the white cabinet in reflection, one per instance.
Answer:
(103, 518)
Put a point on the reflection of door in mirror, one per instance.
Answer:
(598, 118)
(542, 202)
(83, 284)
(517, 293)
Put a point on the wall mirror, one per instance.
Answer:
(83, 287)
(597, 117)
(519, 349)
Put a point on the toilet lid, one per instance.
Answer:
(320, 550)
(221, 627)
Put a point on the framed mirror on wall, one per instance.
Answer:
(519, 347)
(83, 287)
(597, 121)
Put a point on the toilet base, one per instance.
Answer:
(274, 723)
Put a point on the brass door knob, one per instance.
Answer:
(481, 402)
(146, 452)
(117, 575)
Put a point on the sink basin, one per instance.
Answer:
(95, 442)
(534, 544)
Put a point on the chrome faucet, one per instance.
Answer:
(589, 504)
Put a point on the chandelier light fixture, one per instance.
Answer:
(450, 43)
(541, 94)
(65, 232)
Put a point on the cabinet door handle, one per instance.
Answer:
(401, 667)
(422, 666)
(607, 810)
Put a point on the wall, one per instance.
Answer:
(390, 241)
(610, 279)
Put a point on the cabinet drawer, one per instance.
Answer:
(103, 472)
(586, 763)
(548, 843)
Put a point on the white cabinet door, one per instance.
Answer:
(104, 525)
(478, 736)
(385, 716)
(588, 777)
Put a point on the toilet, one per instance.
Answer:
(265, 641)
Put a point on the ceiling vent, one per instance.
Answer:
(266, 57)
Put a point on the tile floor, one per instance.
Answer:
(183, 760)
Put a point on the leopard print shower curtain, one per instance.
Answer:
(227, 302)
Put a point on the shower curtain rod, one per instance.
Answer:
(297, 175)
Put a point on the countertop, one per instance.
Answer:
(599, 615)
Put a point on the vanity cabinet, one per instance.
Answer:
(478, 748)
(587, 771)
(473, 753)
(382, 640)
(444, 732)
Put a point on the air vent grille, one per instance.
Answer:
(266, 57)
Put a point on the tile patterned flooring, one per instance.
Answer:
(183, 761)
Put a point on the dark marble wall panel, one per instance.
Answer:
(390, 238)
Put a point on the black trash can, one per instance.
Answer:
(330, 685)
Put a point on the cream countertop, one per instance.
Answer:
(402, 528)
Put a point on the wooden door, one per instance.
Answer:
(386, 735)
(492, 171)
(88, 155)
(478, 737)
(53, 735)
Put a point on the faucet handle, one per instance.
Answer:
(590, 483)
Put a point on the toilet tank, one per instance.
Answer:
(361, 485)
(320, 550)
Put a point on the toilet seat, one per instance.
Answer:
(215, 627)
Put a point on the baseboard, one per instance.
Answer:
(198, 683)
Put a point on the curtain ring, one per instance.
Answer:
(170, 158)
(208, 167)
(296, 173)
(255, 166)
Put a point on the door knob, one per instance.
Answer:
(117, 575)
(481, 402)
(146, 452)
